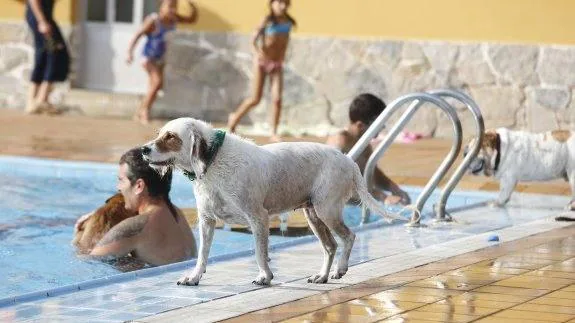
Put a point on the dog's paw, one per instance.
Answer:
(191, 279)
(263, 279)
(318, 279)
(339, 273)
(496, 204)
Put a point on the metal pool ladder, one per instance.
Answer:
(417, 99)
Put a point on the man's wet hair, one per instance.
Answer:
(158, 186)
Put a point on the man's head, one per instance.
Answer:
(363, 110)
(137, 180)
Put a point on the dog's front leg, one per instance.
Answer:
(261, 231)
(571, 179)
(506, 187)
(207, 226)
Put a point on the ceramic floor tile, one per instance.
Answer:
(332, 318)
(457, 309)
(360, 309)
(545, 308)
(552, 274)
(427, 291)
(553, 301)
(511, 291)
(446, 282)
(438, 317)
(539, 316)
(492, 319)
(405, 297)
(387, 304)
(562, 294)
(486, 300)
(567, 266)
(535, 282)
(496, 270)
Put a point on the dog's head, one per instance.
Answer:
(485, 161)
(180, 143)
(90, 231)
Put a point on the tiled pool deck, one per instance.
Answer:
(226, 290)
(448, 273)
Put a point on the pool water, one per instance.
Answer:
(41, 199)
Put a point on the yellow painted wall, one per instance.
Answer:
(516, 21)
(521, 21)
(13, 10)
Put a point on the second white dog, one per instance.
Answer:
(242, 183)
(516, 156)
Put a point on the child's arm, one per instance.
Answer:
(259, 33)
(382, 182)
(147, 27)
(193, 17)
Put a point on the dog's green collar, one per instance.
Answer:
(215, 144)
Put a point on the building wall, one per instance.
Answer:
(512, 21)
(515, 57)
(13, 11)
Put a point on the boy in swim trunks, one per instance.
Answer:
(363, 110)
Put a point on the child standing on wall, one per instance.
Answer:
(156, 26)
(270, 45)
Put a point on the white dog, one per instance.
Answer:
(514, 156)
(242, 183)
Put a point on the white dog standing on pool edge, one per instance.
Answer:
(514, 156)
(242, 183)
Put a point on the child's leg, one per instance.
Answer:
(44, 92)
(257, 89)
(277, 81)
(31, 106)
(156, 79)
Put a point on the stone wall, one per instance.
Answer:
(16, 60)
(519, 86)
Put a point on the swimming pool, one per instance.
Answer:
(40, 200)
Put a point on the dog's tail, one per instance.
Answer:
(368, 199)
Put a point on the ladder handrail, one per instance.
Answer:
(418, 100)
(480, 130)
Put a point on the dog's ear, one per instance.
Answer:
(198, 152)
(490, 139)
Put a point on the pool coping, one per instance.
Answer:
(147, 272)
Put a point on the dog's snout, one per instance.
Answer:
(146, 150)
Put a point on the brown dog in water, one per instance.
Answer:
(91, 227)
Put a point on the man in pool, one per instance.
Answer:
(363, 110)
(159, 234)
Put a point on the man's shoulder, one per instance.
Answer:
(341, 139)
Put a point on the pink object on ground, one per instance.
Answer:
(408, 137)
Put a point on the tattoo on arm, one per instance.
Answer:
(125, 229)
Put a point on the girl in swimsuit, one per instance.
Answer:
(270, 44)
(155, 27)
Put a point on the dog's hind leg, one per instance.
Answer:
(332, 215)
(327, 242)
(261, 231)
